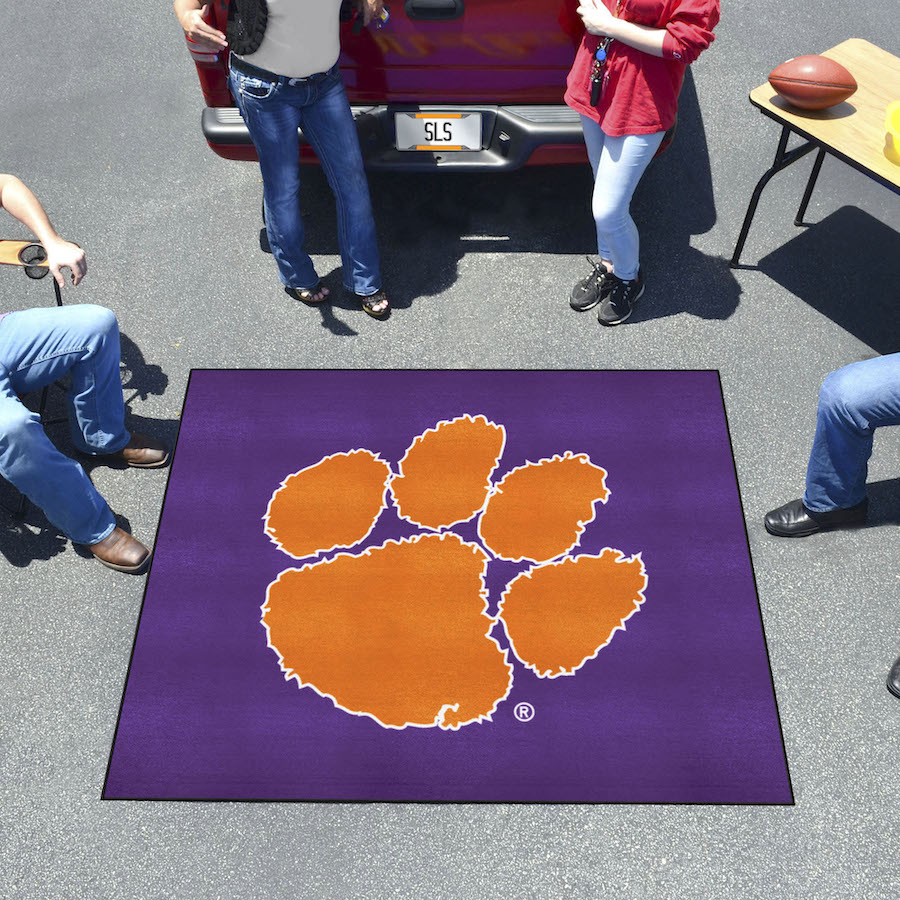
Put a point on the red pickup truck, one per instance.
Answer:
(446, 84)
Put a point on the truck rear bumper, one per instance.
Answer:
(512, 136)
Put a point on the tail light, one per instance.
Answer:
(202, 54)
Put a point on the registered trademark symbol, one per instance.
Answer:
(524, 712)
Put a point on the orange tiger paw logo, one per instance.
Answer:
(401, 632)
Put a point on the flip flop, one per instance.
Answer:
(305, 295)
(368, 302)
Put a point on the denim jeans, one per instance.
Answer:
(853, 402)
(38, 346)
(273, 111)
(618, 164)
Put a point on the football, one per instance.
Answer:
(812, 82)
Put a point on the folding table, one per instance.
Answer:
(852, 131)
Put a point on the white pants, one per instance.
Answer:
(618, 164)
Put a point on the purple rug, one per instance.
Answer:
(451, 586)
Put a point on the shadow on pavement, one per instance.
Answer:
(884, 502)
(845, 266)
(23, 542)
(673, 202)
(428, 222)
(139, 376)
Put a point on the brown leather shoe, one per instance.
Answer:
(143, 452)
(122, 552)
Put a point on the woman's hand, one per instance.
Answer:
(195, 27)
(597, 18)
(370, 9)
(600, 21)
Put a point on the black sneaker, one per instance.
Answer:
(591, 290)
(618, 305)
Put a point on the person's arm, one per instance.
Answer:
(600, 21)
(21, 204)
(684, 38)
(190, 15)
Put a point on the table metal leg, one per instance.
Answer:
(783, 159)
(810, 185)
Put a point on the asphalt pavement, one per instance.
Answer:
(100, 116)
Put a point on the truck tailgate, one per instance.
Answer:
(464, 51)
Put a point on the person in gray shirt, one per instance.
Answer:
(284, 77)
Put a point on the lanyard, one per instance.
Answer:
(599, 63)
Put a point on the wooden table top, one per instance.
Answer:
(855, 128)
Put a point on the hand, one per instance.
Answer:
(65, 255)
(597, 18)
(370, 9)
(199, 32)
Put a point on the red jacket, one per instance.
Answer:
(640, 91)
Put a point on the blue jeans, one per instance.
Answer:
(853, 402)
(38, 346)
(273, 111)
(618, 164)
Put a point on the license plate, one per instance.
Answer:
(438, 131)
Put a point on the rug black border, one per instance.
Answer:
(687, 803)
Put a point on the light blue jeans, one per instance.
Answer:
(273, 111)
(38, 346)
(853, 402)
(618, 164)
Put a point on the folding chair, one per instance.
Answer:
(31, 257)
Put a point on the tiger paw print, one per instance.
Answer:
(401, 631)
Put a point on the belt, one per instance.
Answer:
(245, 68)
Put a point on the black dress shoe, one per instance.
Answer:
(893, 679)
(795, 520)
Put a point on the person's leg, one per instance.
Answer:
(622, 162)
(593, 288)
(272, 118)
(853, 402)
(593, 141)
(50, 480)
(38, 346)
(329, 127)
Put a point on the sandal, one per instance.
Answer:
(371, 300)
(307, 295)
